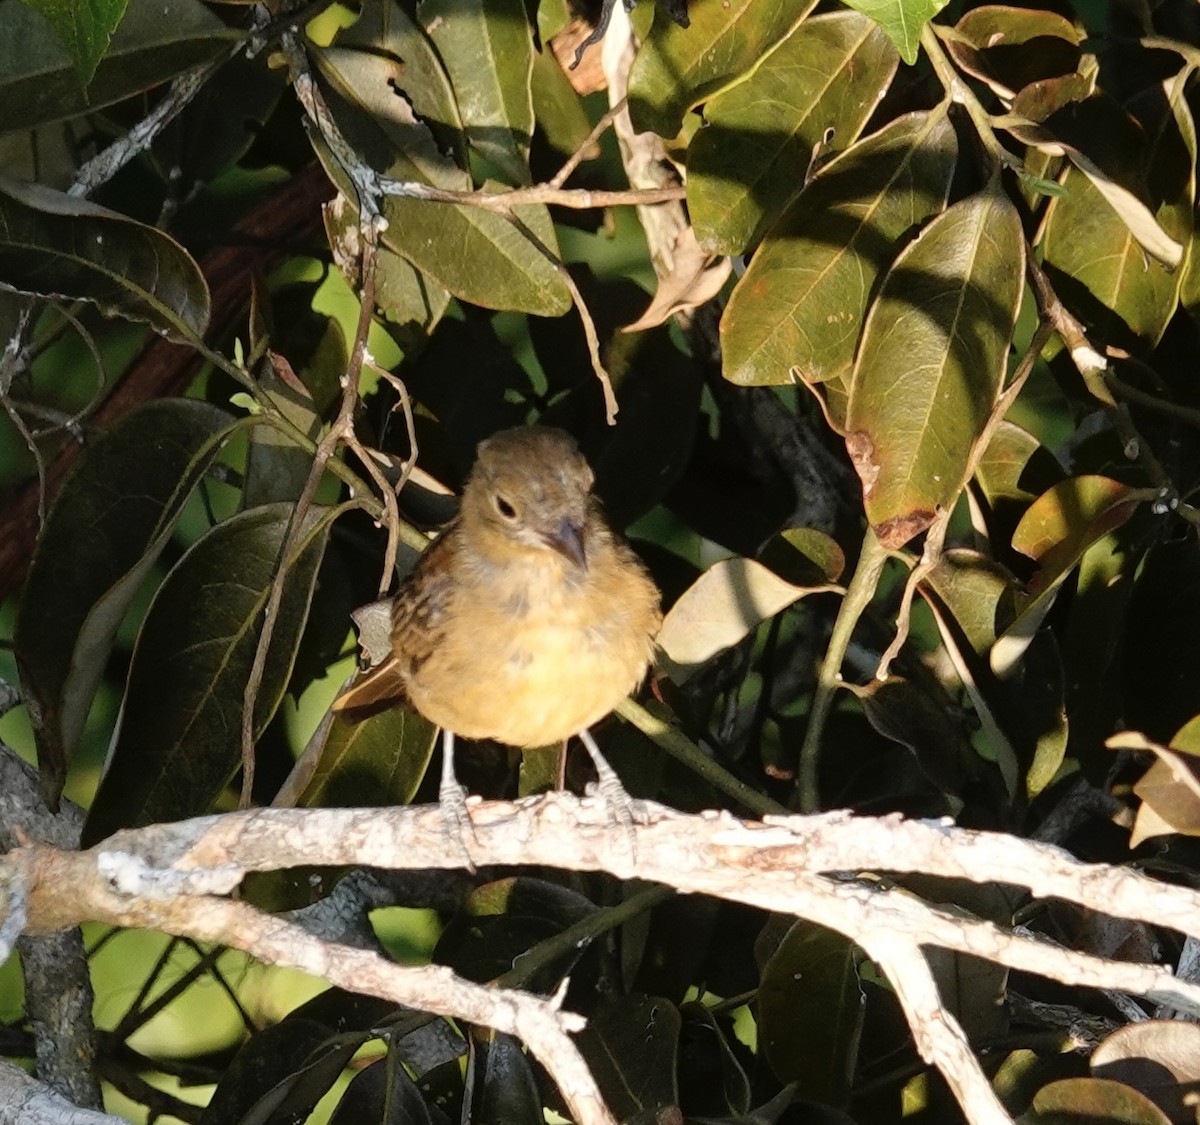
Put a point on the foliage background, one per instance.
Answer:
(1008, 400)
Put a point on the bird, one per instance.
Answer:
(526, 621)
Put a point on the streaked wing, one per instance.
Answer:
(423, 603)
(418, 610)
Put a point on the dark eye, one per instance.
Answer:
(505, 508)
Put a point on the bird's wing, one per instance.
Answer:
(379, 688)
(418, 610)
(423, 604)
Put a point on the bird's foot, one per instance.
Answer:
(622, 809)
(456, 820)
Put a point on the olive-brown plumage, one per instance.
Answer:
(528, 619)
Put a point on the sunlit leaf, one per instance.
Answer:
(678, 67)
(1065, 520)
(54, 245)
(931, 362)
(1101, 249)
(1012, 457)
(487, 49)
(1073, 1100)
(901, 20)
(105, 531)
(727, 601)
(1009, 48)
(815, 90)
(1161, 1058)
(800, 305)
(478, 255)
(180, 737)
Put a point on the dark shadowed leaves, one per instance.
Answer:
(811, 1010)
(54, 245)
(104, 533)
(157, 39)
(631, 1044)
(180, 736)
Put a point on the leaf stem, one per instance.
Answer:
(858, 597)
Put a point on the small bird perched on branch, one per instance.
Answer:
(527, 620)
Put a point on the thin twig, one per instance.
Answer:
(577, 157)
(342, 426)
(578, 199)
(589, 326)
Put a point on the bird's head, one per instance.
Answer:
(530, 490)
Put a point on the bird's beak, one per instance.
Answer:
(567, 540)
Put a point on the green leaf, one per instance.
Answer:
(408, 299)
(932, 361)
(901, 20)
(1073, 1101)
(54, 245)
(478, 255)
(179, 741)
(501, 1083)
(1095, 253)
(487, 48)
(631, 1044)
(811, 1010)
(678, 67)
(799, 306)
(83, 28)
(817, 88)
(157, 39)
(276, 467)
(503, 920)
(558, 110)
(1067, 519)
(105, 531)
(409, 65)
(902, 711)
(380, 760)
(1010, 48)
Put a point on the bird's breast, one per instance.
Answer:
(534, 658)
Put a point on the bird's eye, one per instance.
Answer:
(505, 508)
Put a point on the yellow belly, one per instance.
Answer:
(533, 687)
